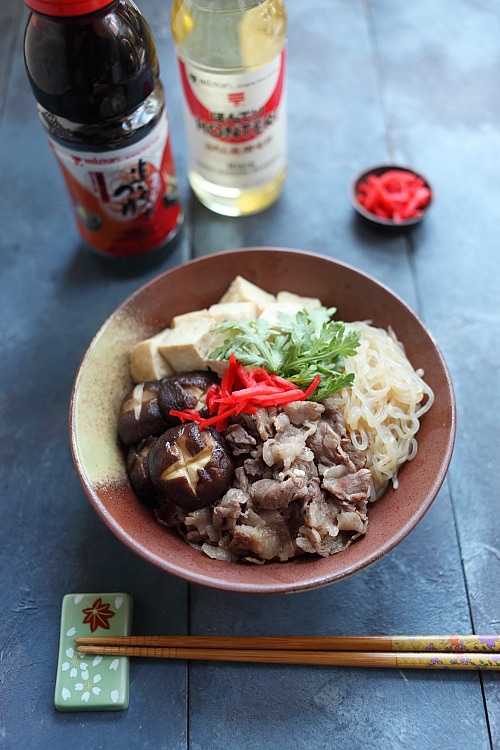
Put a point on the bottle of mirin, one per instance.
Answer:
(232, 58)
(93, 68)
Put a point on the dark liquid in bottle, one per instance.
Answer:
(96, 81)
(92, 70)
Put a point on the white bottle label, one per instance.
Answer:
(236, 123)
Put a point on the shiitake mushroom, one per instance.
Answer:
(140, 415)
(187, 390)
(138, 472)
(190, 467)
(169, 461)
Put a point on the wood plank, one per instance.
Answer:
(54, 294)
(368, 81)
(338, 125)
(439, 84)
(11, 16)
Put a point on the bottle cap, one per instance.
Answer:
(67, 8)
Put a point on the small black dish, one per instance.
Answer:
(382, 221)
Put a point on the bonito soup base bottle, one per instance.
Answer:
(232, 64)
(93, 68)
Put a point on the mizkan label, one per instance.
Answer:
(236, 123)
(126, 201)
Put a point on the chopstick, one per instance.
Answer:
(425, 652)
(452, 643)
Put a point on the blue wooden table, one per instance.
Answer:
(370, 81)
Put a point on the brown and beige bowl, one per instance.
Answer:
(103, 378)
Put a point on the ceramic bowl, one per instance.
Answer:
(380, 220)
(103, 379)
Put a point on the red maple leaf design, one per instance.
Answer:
(98, 615)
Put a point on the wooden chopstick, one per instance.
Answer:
(401, 660)
(424, 652)
(431, 643)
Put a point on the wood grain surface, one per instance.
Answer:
(369, 82)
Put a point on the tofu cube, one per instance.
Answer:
(211, 341)
(184, 347)
(242, 290)
(271, 312)
(291, 297)
(189, 317)
(234, 311)
(146, 362)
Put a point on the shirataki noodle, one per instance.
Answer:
(383, 407)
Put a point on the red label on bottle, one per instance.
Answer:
(125, 201)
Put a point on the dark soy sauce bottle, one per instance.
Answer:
(93, 68)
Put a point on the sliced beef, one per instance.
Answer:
(351, 488)
(239, 439)
(230, 508)
(199, 526)
(329, 447)
(334, 416)
(300, 412)
(256, 467)
(268, 539)
(241, 479)
(273, 494)
(299, 487)
(264, 422)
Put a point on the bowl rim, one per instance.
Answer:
(381, 221)
(250, 583)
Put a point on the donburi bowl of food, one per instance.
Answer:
(262, 420)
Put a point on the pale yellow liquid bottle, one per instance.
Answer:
(232, 58)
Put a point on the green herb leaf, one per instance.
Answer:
(297, 347)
